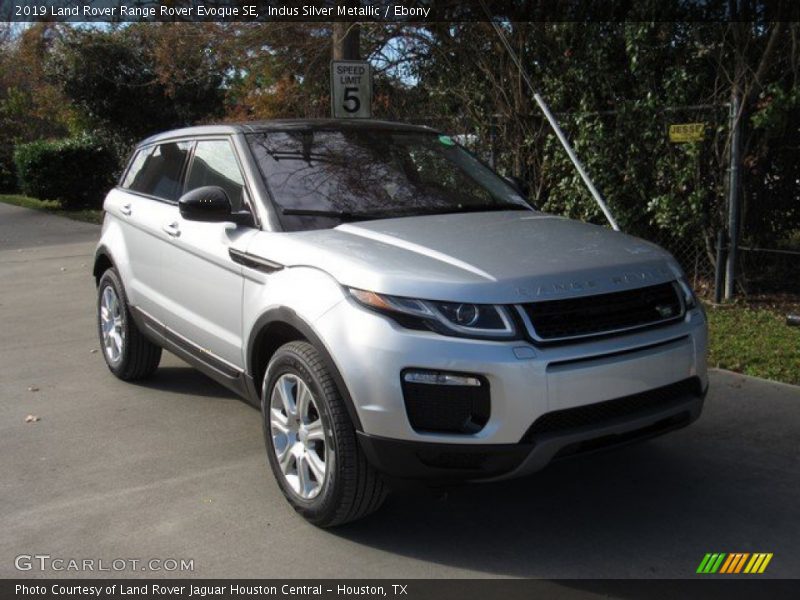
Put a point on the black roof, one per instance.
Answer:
(283, 125)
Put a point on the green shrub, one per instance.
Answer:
(77, 172)
(8, 178)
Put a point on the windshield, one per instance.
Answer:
(320, 178)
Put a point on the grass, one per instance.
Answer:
(754, 341)
(51, 206)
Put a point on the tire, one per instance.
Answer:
(127, 352)
(349, 488)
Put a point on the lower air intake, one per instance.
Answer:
(602, 413)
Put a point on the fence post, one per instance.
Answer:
(719, 267)
(733, 198)
(493, 142)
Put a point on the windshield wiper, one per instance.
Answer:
(443, 210)
(344, 215)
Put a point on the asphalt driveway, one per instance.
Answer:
(175, 468)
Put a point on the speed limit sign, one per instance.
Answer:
(351, 89)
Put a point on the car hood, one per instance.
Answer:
(489, 257)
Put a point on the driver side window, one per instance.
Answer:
(214, 163)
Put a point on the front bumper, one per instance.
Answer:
(526, 381)
(482, 462)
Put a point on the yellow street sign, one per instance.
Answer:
(687, 132)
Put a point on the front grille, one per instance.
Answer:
(604, 313)
(602, 413)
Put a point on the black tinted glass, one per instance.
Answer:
(157, 170)
(214, 163)
(360, 174)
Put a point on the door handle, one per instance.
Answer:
(172, 229)
(125, 209)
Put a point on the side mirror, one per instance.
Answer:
(518, 184)
(210, 204)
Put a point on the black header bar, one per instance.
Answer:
(399, 589)
(417, 11)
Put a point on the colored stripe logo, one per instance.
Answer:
(733, 563)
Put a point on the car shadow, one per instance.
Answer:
(648, 510)
(187, 380)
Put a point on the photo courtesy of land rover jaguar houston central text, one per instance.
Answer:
(397, 309)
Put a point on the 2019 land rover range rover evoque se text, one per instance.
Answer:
(396, 309)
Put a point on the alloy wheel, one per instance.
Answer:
(298, 436)
(111, 325)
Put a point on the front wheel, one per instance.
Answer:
(127, 352)
(311, 443)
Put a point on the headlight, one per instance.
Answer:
(689, 298)
(448, 318)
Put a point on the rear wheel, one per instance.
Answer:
(127, 352)
(311, 443)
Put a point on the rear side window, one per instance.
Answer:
(214, 163)
(156, 171)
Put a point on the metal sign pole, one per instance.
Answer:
(733, 199)
(552, 121)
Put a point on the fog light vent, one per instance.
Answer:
(443, 402)
(440, 378)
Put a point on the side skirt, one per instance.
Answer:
(219, 370)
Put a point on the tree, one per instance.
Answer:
(282, 70)
(30, 107)
(141, 79)
(616, 87)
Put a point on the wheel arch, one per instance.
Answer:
(102, 262)
(280, 326)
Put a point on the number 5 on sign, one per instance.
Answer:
(351, 89)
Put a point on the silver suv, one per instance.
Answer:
(396, 309)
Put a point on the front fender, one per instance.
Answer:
(297, 298)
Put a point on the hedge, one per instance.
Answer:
(77, 171)
(8, 177)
